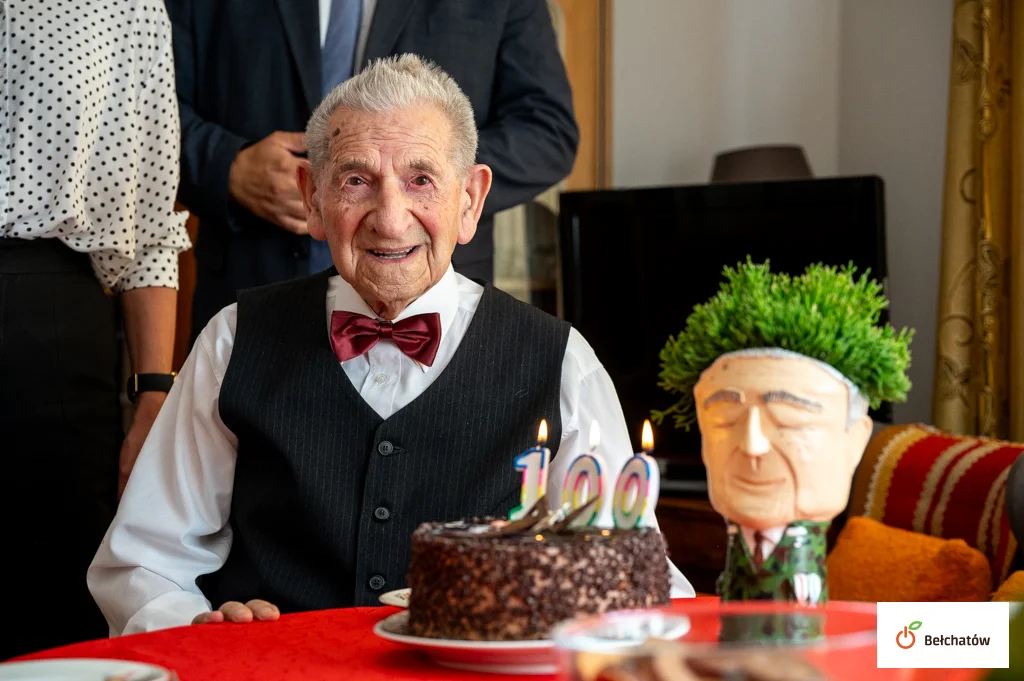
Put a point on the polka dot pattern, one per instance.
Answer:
(89, 140)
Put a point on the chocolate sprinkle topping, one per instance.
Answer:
(471, 583)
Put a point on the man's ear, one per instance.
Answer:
(472, 201)
(858, 435)
(311, 199)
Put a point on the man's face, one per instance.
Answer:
(775, 440)
(390, 202)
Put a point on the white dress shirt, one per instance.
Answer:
(769, 540)
(89, 135)
(172, 523)
(369, 6)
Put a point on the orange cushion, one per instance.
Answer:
(1012, 589)
(874, 562)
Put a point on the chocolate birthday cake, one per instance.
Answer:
(486, 579)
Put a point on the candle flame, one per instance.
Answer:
(647, 439)
(595, 435)
(542, 432)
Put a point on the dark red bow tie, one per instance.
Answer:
(418, 336)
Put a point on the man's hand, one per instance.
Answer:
(233, 611)
(145, 413)
(263, 179)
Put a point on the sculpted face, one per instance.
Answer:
(391, 203)
(776, 440)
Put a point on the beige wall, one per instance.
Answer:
(894, 80)
(860, 84)
(694, 77)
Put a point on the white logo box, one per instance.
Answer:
(943, 635)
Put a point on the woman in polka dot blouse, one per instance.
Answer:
(89, 145)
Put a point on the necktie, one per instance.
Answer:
(338, 56)
(337, 60)
(353, 334)
(758, 548)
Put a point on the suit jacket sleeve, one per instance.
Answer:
(531, 138)
(207, 149)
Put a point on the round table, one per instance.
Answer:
(325, 644)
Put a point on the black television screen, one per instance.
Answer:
(636, 261)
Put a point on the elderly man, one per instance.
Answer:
(250, 73)
(317, 422)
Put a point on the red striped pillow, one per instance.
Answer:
(918, 478)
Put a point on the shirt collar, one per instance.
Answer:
(772, 535)
(442, 298)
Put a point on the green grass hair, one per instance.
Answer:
(825, 313)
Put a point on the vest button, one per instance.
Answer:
(377, 583)
(381, 513)
(385, 448)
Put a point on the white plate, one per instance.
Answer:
(82, 670)
(495, 657)
(398, 598)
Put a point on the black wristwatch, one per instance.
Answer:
(144, 383)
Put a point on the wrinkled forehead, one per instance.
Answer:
(756, 376)
(417, 130)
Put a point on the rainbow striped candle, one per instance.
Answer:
(534, 465)
(637, 486)
(585, 480)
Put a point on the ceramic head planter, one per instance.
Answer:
(779, 373)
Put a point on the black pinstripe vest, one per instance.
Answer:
(326, 492)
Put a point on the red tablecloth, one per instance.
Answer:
(328, 644)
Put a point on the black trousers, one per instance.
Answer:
(60, 435)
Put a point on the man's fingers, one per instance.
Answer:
(293, 208)
(233, 611)
(209, 617)
(293, 225)
(263, 611)
(293, 141)
(236, 612)
(287, 168)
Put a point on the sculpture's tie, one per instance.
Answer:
(758, 549)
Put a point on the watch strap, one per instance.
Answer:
(142, 383)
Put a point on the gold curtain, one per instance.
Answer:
(979, 375)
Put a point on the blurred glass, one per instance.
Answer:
(754, 641)
(526, 256)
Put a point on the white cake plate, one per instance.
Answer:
(398, 598)
(83, 670)
(493, 657)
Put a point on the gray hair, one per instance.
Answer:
(395, 83)
(858, 405)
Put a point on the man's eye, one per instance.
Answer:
(421, 181)
(355, 181)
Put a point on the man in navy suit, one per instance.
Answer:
(250, 73)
